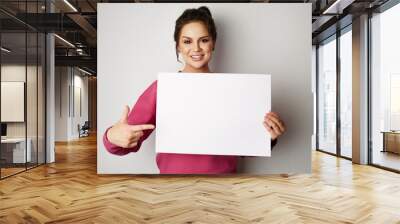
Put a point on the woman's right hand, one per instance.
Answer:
(125, 135)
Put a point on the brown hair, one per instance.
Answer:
(201, 14)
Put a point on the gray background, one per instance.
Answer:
(135, 42)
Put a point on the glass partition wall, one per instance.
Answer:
(385, 89)
(327, 96)
(22, 77)
(334, 104)
(345, 61)
(334, 83)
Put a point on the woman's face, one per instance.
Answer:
(195, 45)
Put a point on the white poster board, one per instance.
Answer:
(12, 101)
(213, 114)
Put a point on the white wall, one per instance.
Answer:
(61, 103)
(33, 126)
(80, 83)
(17, 72)
(11, 73)
(134, 44)
(314, 92)
(68, 81)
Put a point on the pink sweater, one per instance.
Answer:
(144, 112)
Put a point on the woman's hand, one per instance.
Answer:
(125, 135)
(274, 125)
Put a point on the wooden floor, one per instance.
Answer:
(70, 191)
(387, 159)
(5, 172)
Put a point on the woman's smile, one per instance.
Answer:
(197, 57)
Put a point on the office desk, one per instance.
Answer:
(391, 141)
(16, 147)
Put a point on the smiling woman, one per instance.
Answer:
(195, 36)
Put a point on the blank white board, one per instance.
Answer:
(12, 101)
(213, 114)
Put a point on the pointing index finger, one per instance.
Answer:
(142, 127)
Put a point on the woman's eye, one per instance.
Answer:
(205, 40)
(186, 41)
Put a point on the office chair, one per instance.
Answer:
(84, 130)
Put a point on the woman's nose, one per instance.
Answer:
(197, 47)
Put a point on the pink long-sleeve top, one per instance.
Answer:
(144, 112)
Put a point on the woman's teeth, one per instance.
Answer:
(196, 57)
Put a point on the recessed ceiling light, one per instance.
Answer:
(84, 71)
(64, 40)
(70, 5)
(5, 50)
(338, 6)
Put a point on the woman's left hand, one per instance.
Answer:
(274, 125)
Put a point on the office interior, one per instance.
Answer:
(48, 97)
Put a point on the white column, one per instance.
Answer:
(360, 90)
(50, 92)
